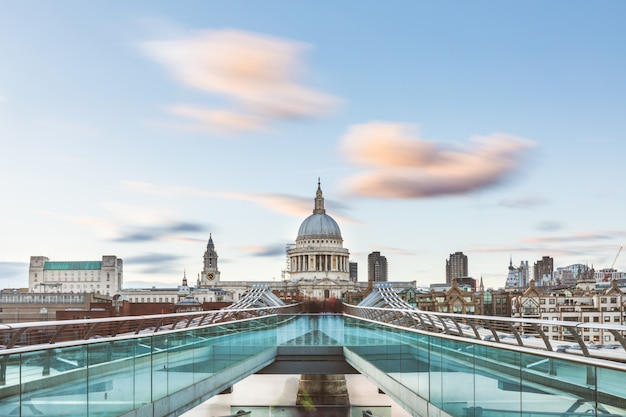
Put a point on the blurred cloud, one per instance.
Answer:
(220, 121)
(292, 206)
(549, 226)
(400, 164)
(577, 237)
(257, 73)
(155, 263)
(266, 250)
(151, 258)
(158, 232)
(147, 225)
(523, 202)
(587, 247)
(279, 203)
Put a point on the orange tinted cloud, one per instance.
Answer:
(400, 164)
(218, 120)
(259, 74)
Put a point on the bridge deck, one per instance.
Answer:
(429, 374)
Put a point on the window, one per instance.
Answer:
(603, 300)
(552, 301)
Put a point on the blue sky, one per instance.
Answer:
(138, 128)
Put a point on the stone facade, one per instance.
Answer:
(98, 277)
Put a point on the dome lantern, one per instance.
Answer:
(319, 224)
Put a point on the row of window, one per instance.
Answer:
(165, 299)
(603, 300)
(42, 299)
(72, 279)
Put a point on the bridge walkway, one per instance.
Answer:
(165, 373)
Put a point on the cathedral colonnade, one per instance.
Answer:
(319, 263)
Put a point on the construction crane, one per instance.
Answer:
(609, 272)
(616, 256)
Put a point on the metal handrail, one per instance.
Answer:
(21, 335)
(521, 332)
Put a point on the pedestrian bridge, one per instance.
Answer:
(431, 364)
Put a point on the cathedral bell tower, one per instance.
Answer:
(210, 275)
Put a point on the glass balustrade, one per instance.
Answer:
(464, 378)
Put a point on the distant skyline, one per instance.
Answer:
(136, 129)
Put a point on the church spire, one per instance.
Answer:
(319, 200)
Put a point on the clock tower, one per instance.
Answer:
(210, 275)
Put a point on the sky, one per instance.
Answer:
(139, 129)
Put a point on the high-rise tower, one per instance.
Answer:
(376, 267)
(456, 267)
(543, 269)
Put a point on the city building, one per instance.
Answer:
(376, 267)
(604, 276)
(464, 299)
(568, 276)
(20, 306)
(98, 277)
(543, 270)
(354, 271)
(319, 255)
(518, 277)
(456, 267)
(317, 268)
(575, 305)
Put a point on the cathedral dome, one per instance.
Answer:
(319, 224)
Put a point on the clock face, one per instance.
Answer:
(210, 276)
